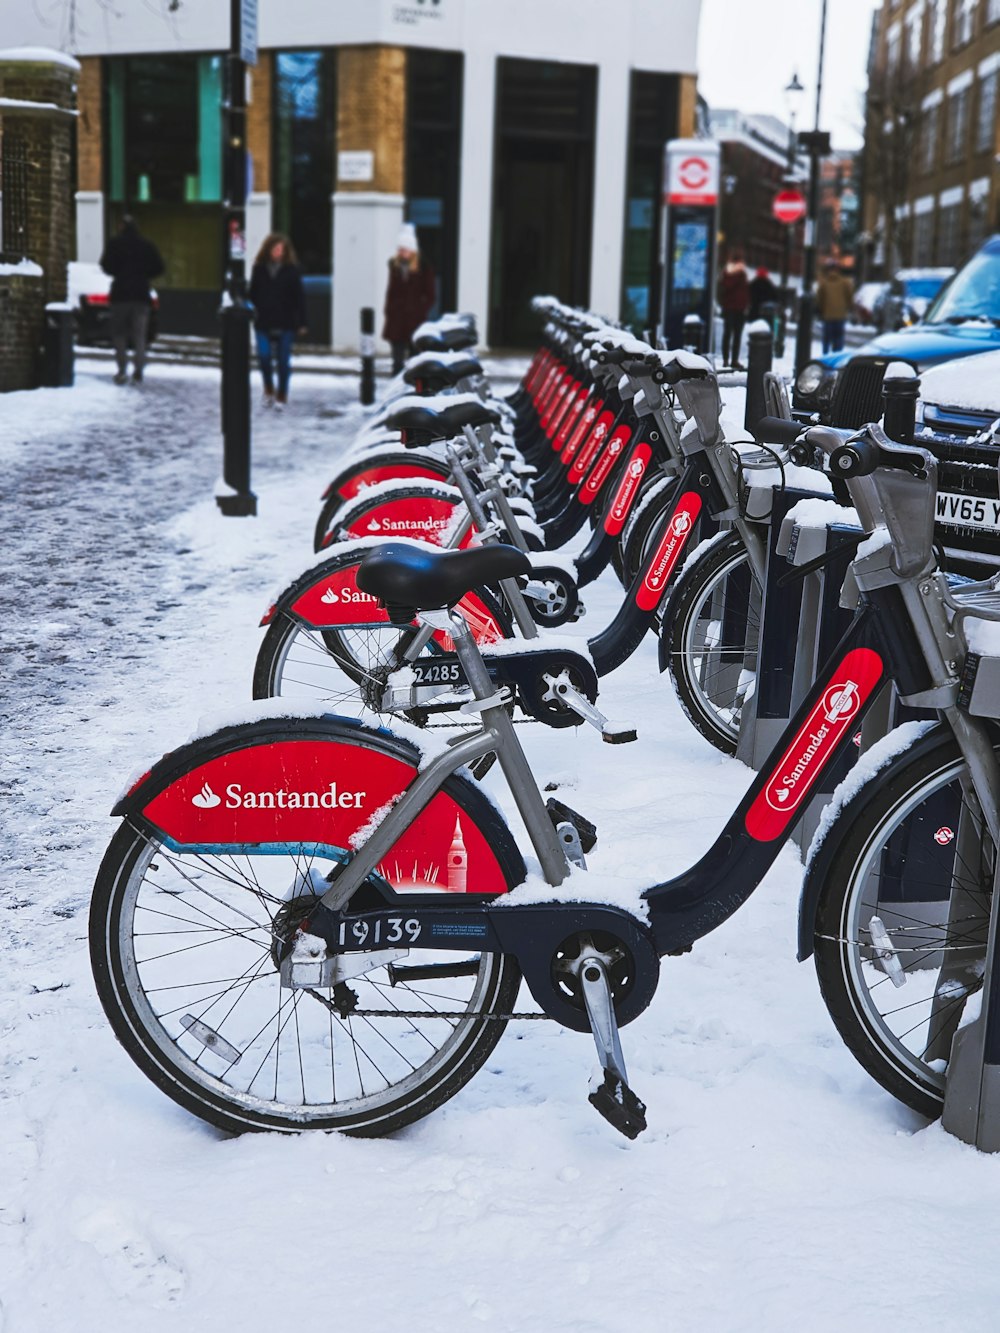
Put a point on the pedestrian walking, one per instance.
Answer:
(834, 298)
(131, 261)
(279, 303)
(762, 292)
(409, 295)
(734, 299)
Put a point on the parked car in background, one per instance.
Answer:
(845, 388)
(866, 300)
(958, 420)
(87, 290)
(908, 297)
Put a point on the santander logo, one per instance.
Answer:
(237, 798)
(634, 473)
(796, 772)
(839, 704)
(669, 550)
(206, 799)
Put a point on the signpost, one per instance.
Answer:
(688, 236)
(235, 497)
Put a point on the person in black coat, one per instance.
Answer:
(131, 261)
(279, 302)
(762, 292)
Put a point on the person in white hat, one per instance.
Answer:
(409, 296)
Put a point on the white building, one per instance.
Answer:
(522, 137)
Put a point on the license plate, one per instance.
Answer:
(437, 673)
(968, 511)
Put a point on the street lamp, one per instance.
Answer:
(817, 145)
(793, 100)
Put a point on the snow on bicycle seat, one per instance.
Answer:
(441, 417)
(450, 338)
(423, 578)
(441, 370)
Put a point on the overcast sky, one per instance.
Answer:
(748, 50)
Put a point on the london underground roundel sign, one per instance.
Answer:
(789, 206)
(692, 172)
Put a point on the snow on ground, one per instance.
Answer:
(777, 1188)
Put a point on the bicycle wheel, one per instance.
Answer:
(710, 629)
(422, 510)
(345, 666)
(368, 470)
(184, 947)
(904, 881)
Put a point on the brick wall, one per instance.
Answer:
(45, 136)
(371, 113)
(22, 318)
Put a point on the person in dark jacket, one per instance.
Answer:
(409, 296)
(762, 292)
(734, 298)
(279, 302)
(131, 261)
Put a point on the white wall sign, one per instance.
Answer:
(356, 166)
(248, 31)
(411, 13)
(692, 171)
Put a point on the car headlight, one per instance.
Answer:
(810, 378)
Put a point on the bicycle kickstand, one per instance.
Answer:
(613, 1097)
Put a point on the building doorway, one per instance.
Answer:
(542, 193)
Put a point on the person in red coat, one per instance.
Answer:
(734, 298)
(409, 297)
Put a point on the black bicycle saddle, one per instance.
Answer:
(420, 578)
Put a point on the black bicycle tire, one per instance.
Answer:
(929, 766)
(334, 502)
(720, 558)
(233, 1114)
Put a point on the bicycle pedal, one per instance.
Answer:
(561, 813)
(617, 733)
(619, 1105)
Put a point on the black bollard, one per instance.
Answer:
(238, 500)
(367, 355)
(900, 391)
(760, 349)
(694, 333)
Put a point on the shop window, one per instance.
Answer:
(163, 157)
(652, 121)
(433, 156)
(304, 153)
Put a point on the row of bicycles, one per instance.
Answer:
(319, 918)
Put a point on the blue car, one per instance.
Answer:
(845, 388)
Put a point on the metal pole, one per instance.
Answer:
(786, 249)
(238, 499)
(367, 355)
(803, 341)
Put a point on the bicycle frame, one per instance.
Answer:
(896, 634)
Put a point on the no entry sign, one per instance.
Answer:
(789, 206)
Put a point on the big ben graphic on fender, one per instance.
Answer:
(458, 861)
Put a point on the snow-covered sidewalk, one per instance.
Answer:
(777, 1188)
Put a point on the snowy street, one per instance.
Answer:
(778, 1187)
